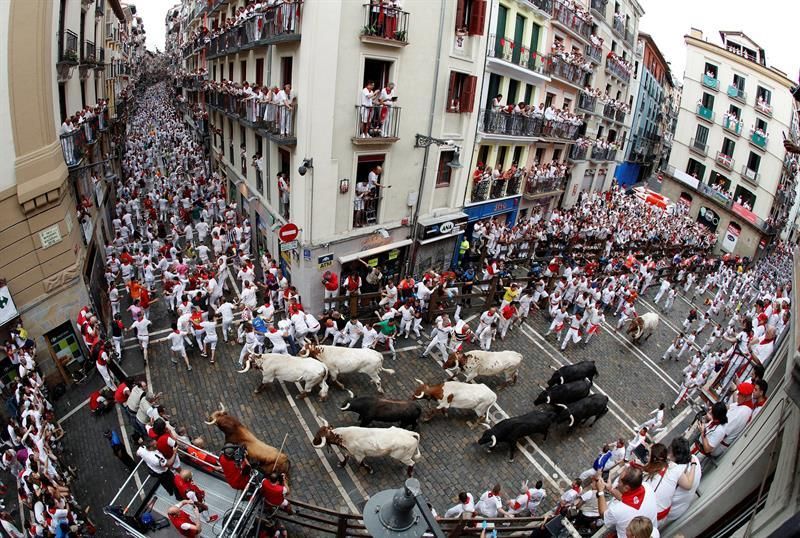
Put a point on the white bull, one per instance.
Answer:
(644, 324)
(345, 360)
(489, 363)
(290, 369)
(458, 395)
(397, 443)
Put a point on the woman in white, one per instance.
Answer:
(683, 496)
(664, 476)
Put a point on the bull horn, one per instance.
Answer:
(345, 407)
(561, 377)
(324, 422)
(548, 399)
(247, 365)
(321, 445)
(221, 407)
(541, 387)
(494, 442)
(562, 405)
(419, 381)
(350, 392)
(554, 368)
(212, 422)
(571, 420)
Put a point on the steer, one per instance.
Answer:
(595, 405)
(640, 325)
(361, 443)
(512, 429)
(573, 372)
(345, 360)
(457, 395)
(267, 458)
(475, 363)
(371, 408)
(564, 394)
(274, 366)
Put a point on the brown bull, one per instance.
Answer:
(259, 454)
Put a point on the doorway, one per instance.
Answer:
(378, 71)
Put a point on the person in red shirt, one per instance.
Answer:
(331, 283)
(274, 490)
(99, 401)
(235, 467)
(122, 393)
(187, 489)
(185, 524)
(166, 443)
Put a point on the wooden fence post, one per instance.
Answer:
(341, 527)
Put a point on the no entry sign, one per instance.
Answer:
(288, 232)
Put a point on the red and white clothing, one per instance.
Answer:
(489, 504)
(184, 524)
(634, 503)
(663, 485)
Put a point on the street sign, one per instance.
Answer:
(288, 232)
(288, 245)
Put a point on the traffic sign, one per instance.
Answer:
(288, 232)
(288, 245)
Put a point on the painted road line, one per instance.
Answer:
(73, 411)
(664, 376)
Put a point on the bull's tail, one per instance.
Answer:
(416, 436)
(387, 370)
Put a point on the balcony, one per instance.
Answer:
(698, 147)
(594, 53)
(384, 25)
(578, 153)
(89, 56)
(493, 189)
(376, 125)
(603, 154)
(278, 121)
(74, 147)
(599, 7)
(366, 210)
(608, 111)
(619, 116)
(732, 126)
(277, 24)
(618, 26)
(763, 107)
(69, 52)
(616, 69)
(750, 175)
(520, 56)
(724, 161)
(705, 113)
(569, 20)
(759, 140)
(535, 187)
(587, 102)
(516, 125)
(737, 93)
(572, 74)
(545, 6)
(710, 82)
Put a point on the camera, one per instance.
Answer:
(701, 413)
(307, 163)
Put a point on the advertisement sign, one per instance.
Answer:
(731, 237)
(8, 309)
(64, 344)
(708, 218)
(325, 261)
(450, 227)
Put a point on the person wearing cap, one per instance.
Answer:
(738, 415)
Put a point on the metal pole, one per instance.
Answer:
(236, 504)
(130, 477)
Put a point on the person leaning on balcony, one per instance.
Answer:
(387, 98)
(286, 100)
(367, 97)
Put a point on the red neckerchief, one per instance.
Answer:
(634, 497)
(577, 489)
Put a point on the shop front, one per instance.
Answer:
(437, 241)
(503, 211)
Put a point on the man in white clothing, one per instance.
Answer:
(632, 499)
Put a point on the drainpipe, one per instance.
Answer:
(434, 98)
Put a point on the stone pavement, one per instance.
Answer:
(451, 460)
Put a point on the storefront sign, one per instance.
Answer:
(731, 237)
(8, 309)
(288, 245)
(450, 227)
(744, 212)
(708, 218)
(372, 262)
(489, 209)
(50, 236)
(64, 344)
(393, 254)
(307, 254)
(325, 261)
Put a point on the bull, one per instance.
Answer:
(564, 394)
(513, 429)
(577, 413)
(455, 394)
(267, 458)
(573, 372)
(344, 360)
(485, 363)
(642, 325)
(309, 372)
(361, 443)
(372, 408)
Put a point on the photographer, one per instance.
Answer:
(275, 489)
(712, 432)
(631, 499)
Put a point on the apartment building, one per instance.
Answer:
(368, 182)
(652, 117)
(56, 184)
(728, 165)
(610, 44)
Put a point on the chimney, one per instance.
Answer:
(695, 33)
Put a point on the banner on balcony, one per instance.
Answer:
(731, 237)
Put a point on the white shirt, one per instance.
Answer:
(153, 459)
(619, 515)
(489, 506)
(738, 417)
(460, 508)
(226, 309)
(682, 498)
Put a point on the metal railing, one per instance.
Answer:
(379, 121)
(74, 147)
(505, 49)
(618, 26)
(587, 102)
(69, 52)
(277, 23)
(566, 17)
(567, 72)
(543, 5)
(698, 147)
(578, 153)
(600, 6)
(750, 175)
(503, 123)
(758, 140)
(616, 69)
(724, 161)
(385, 22)
(548, 185)
(732, 126)
(619, 115)
(594, 53)
(89, 53)
(609, 111)
(710, 82)
(735, 92)
(279, 121)
(705, 113)
(764, 108)
(493, 189)
(603, 154)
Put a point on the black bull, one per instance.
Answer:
(372, 408)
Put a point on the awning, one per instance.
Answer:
(439, 238)
(371, 252)
(444, 218)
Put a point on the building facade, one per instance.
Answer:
(728, 165)
(347, 169)
(651, 114)
(56, 185)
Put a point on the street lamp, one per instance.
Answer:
(423, 141)
(400, 513)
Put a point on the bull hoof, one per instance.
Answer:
(510, 460)
(488, 450)
(341, 464)
(302, 396)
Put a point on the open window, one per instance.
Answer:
(470, 16)
(461, 92)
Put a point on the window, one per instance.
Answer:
(286, 70)
(728, 146)
(696, 169)
(549, 98)
(513, 88)
(761, 124)
(470, 16)
(567, 104)
(744, 197)
(367, 214)
(539, 155)
(754, 162)
(461, 92)
(708, 101)
(483, 155)
(528, 94)
(243, 70)
(715, 178)
(557, 155)
(765, 94)
(711, 69)
(738, 82)
(517, 155)
(701, 136)
(259, 71)
(378, 71)
(502, 152)
(230, 70)
(735, 111)
(444, 171)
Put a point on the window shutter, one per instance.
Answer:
(468, 94)
(460, 5)
(477, 17)
(451, 92)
